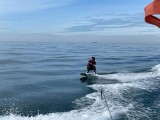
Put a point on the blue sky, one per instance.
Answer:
(32, 19)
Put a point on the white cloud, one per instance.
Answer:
(17, 6)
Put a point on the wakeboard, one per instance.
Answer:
(89, 75)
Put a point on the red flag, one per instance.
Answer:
(151, 10)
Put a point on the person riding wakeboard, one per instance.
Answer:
(91, 65)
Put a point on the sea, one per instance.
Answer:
(42, 81)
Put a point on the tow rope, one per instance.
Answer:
(103, 96)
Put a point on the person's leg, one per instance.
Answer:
(90, 67)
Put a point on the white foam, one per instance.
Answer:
(128, 77)
(72, 115)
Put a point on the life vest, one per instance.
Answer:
(92, 62)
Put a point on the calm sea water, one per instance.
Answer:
(41, 81)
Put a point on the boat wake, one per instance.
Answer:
(125, 99)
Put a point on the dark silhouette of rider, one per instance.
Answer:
(91, 65)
